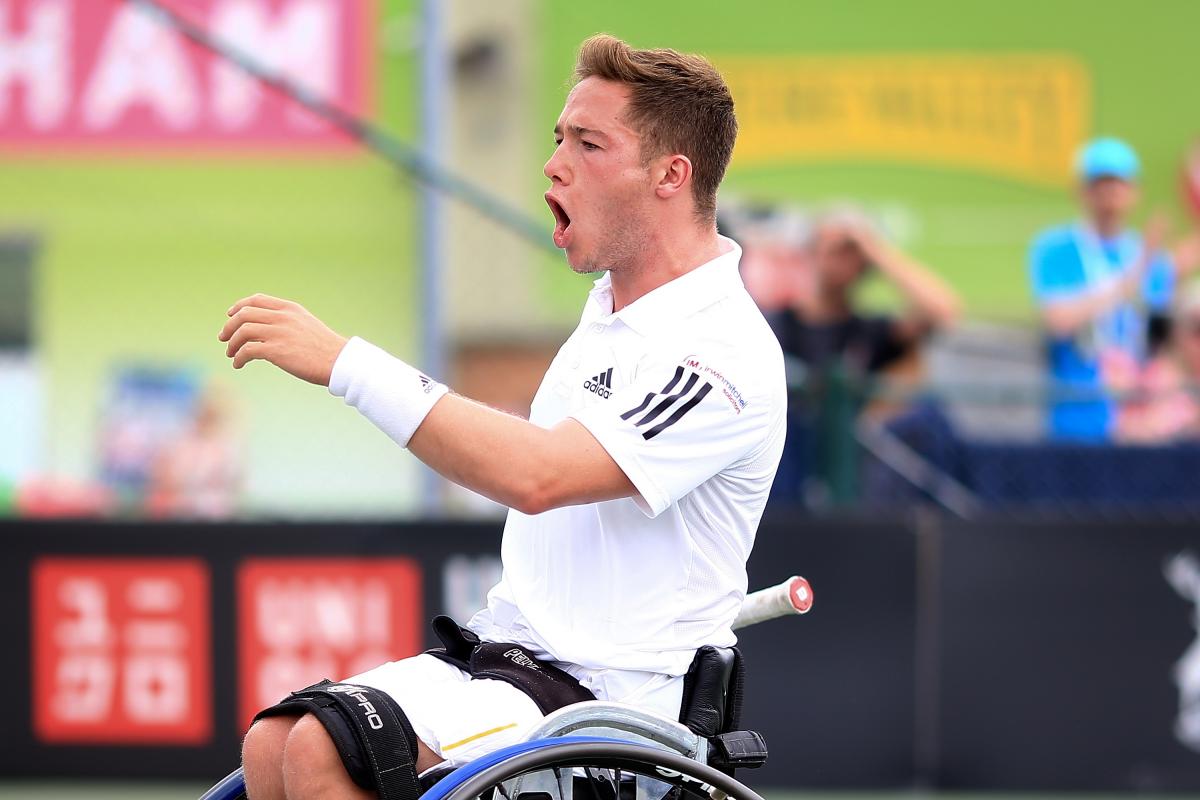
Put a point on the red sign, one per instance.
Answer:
(304, 619)
(121, 651)
(106, 72)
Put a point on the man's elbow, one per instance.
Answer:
(531, 503)
(954, 311)
(1058, 324)
(538, 494)
(947, 315)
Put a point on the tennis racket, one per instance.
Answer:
(793, 596)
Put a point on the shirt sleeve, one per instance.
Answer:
(1159, 284)
(1055, 270)
(884, 345)
(677, 426)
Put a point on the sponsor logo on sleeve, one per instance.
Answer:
(736, 401)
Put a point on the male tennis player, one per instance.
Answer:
(638, 482)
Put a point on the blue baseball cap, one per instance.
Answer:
(1107, 158)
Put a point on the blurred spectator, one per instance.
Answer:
(1160, 402)
(198, 475)
(804, 277)
(774, 243)
(821, 327)
(1096, 282)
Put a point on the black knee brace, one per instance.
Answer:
(373, 736)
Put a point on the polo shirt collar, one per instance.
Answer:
(677, 298)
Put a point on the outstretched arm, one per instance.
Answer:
(515, 462)
(500, 456)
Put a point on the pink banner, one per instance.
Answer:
(83, 73)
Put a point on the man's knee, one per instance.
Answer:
(312, 766)
(265, 740)
(262, 756)
(309, 747)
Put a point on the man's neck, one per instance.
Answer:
(1107, 228)
(670, 251)
(828, 306)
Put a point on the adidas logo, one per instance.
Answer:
(600, 385)
(426, 384)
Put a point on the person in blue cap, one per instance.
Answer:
(1097, 283)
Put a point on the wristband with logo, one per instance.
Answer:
(395, 396)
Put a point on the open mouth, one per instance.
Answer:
(562, 221)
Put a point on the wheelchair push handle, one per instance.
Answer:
(793, 596)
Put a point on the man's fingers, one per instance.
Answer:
(246, 332)
(250, 351)
(244, 315)
(261, 301)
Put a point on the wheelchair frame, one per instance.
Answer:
(622, 738)
(595, 734)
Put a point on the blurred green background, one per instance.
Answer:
(140, 256)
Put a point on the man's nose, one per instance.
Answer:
(555, 169)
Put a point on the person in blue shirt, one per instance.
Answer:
(1097, 284)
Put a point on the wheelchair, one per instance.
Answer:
(600, 750)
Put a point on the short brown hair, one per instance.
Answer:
(678, 103)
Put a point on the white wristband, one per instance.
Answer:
(384, 389)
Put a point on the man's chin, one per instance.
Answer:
(581, 264)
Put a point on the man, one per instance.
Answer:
(1097, 282)
(639, 480)
(821, 327)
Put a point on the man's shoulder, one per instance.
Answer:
(731, 335)
(1054, 242)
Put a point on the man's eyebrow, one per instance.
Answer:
(579, 130)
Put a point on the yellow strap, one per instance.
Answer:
(478, 736)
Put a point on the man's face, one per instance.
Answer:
(600, 191)
(838, 259)
(1109, 200)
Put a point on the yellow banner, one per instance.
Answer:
(1020, 116)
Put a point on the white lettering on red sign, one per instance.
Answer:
(75, 72)
(38, 61)
(121, 650)
(300, 44)
(141, 62)
(305, 619)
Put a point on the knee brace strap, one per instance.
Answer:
(371, 732)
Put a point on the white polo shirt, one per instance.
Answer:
(685, 390)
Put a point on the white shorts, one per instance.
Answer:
(461, 718)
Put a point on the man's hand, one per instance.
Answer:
(1186, 254)
(1154, 235)
(283, 333)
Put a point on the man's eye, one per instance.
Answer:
(557, 142)
(590, 146)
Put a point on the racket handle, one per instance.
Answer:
(793, 596)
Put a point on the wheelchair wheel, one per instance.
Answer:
(566, 768)
(574, 768)
(231, 787)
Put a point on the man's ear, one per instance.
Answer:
(674, 173)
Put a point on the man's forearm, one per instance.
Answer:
(1065, 317)
(513, 461)
(930, 295)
